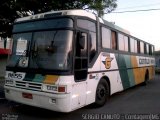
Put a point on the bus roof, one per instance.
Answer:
(77, 12)
(112, 25)
(58, 13)
(71, 12)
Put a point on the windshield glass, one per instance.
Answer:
(49, 49)
(20, 43)
(42, 44)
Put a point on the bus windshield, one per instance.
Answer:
(44, 49)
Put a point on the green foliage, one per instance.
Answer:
(12, 9)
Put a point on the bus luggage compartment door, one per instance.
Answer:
(78, 95)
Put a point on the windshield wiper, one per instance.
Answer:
(52, 48)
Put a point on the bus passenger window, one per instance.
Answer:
(135, 46)
(121, 42)
(142, 47)
(114, 40)
(126, 43)
(106, 38)
(138, 47)
(150, 50)
(92, 45)
(147, 49)
(131, 44)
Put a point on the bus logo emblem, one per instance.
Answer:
(107, 62)
(27, 85)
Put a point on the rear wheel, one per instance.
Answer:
(102, 93)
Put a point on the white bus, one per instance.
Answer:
(64, 60)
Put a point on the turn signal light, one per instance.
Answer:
(61, 89)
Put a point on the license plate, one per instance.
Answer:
(27, 95)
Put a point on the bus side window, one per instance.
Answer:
(126, 43)
(139, 47)
(145, 49)
(106, 38)
(135, 46)
(131, 45)
(142, 47)
(150, 50)
(114, 40)
(92, 45)
(121, 42)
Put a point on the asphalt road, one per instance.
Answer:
(141, 102)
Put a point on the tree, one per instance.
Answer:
(12, 9)
(7, 16)
(102, 6)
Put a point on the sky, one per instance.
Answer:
(143, 25)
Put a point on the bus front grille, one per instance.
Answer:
(28, 85)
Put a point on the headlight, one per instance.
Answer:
(54, 88)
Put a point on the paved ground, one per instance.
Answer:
(139, 103)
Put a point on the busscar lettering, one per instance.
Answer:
(14, 75)
(144, 61)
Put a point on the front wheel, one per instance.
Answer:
(102, 93)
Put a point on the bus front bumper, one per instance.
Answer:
(51, 101)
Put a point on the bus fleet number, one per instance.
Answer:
(14, 75)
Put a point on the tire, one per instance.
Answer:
(102, 93)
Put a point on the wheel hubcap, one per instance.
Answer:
(101, 92)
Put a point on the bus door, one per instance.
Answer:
(80, 70)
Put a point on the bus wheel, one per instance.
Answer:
(102, 93)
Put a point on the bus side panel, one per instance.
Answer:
(123, 69)
(138, 72)
(109, 64)
(93, 80)
(140, 66)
